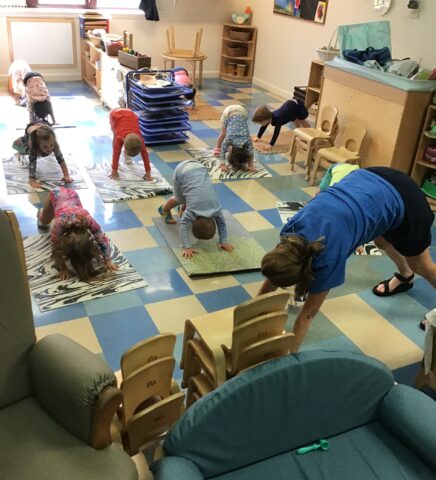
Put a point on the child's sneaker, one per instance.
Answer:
(41, 225)
(166, 216)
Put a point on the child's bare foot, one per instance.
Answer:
(255, 139)
(114, 175)
(268, 148)
(34, 183)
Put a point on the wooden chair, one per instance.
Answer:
(348, 150)
(144, 390)
(146, 351)
(306, 140)
(191, 57)
(215, 329)
(422, 378)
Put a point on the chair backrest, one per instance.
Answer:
(153, 380)
(149, 350)
(261, 305)
(150, 424)
(352, 137)
(252, 332)
(197, 44)
(17, 331)
(328, 120)
(264, 350)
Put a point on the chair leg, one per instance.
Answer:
(318, 159)
(200, 79)
(188, 334)
(420, 379)
(293, 154)
(194, 68)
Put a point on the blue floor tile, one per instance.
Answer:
(118, 331)
(219, 299)
(230, 201)
(163, 285)
(151, 260)
(272, 215)
(63, 314)
(114, 303)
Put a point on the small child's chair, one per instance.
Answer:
(348, 150)
(306, 139)
(193, 56)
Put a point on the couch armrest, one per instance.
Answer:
(410, 415)
(73, 385)
(169, 468)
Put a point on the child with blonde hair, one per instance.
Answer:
(125, 127)
(291, 111)
(202, 213)
(75, 236)
(234, 146)
(39, 140)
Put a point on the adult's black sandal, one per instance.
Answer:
(406, 284)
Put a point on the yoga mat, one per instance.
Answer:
(48, 172)
(282, 145)
(289, 209)
(131, 185)
(205, 156)
(247, 254)
(204, 112)
(50, 293)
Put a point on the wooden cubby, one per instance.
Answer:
(314, 86)
(422, 169)
(248, 59)
(91, 64)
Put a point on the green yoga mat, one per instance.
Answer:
(247, 254)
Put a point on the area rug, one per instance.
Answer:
(49, 173)
(204, 112)
(50, 293)
(288, 209)
(131, 184)
(206, 157)
(283, 143)
(247, 254)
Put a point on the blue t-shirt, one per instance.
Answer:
(358, 209)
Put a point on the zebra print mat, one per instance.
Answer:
(16, 172)
(205, 156)
(130, 186)
(50, 293)
(288, 209)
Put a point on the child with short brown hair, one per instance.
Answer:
(202, 212)
(291, 111)
(125, 127)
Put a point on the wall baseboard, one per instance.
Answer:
(273, 88)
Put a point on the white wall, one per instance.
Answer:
(286, 46)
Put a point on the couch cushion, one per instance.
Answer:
(277, 406)
(33, 446)
(368, 453)
(17, 332)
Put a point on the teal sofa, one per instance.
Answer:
(251, 426)
(57, 399)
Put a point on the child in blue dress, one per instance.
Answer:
(234, 146)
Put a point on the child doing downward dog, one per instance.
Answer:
(76, 237)
(291, 111)
(39, 140)
(125, 127)
(203, 214)
(234, 144)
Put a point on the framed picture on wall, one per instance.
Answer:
(312, 10)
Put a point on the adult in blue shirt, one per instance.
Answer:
(380, 204)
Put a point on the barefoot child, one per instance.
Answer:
(39, 140)
(76, 237)
(291, 111)
(125, 127)
(203, 214)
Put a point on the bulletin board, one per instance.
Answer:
(312, 10)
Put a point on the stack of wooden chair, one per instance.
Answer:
(152, 401)
(220, 345)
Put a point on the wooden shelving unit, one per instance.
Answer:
(229, 70)
(421, 168)
(314, 86)
(91, 64)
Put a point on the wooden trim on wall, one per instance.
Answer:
(71, 21)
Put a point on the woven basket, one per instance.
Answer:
(329, 53)
(236, 51)
(239, 35)
(94, 40)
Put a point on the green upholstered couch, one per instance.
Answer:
(57, 399)
(251, 426)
